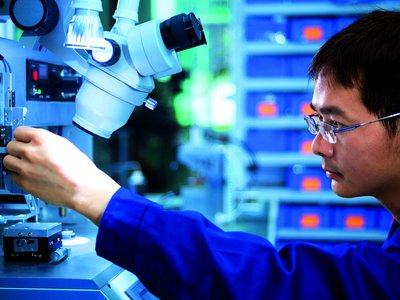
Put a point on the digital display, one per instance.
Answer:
(43, 72)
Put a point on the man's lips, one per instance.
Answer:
(332, 174)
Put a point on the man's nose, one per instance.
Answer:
(321, 147)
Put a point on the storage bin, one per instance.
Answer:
(303, 216)
(310, 30)
(307, 179)
(298, 65)
(354, 218)
(265, 1)
(266, 104)
(266, 28)
(343, 22)
(267, 66)
(353, 1)
(300, 141)
(267, 140)
(308, 1)
(300, 104)
(383, 218)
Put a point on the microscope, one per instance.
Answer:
(66, 74)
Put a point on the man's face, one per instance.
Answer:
(364, 161)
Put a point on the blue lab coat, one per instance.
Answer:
(181, 255)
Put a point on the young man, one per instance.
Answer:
(180, 255)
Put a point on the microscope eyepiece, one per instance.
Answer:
(181, 32)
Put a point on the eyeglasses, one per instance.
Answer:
(328, 131)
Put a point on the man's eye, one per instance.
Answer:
(336, 124)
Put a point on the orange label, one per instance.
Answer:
(310, 221)
(313, 33)
(355, 222)
(306, 147)
(267, 109)
(311, 184)
(306, 109)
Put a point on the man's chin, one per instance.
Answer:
(342, 191)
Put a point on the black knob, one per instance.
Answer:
(35, 17)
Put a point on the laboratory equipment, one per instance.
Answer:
(119, 70)
(65, 70)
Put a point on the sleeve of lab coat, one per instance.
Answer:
(181, 255)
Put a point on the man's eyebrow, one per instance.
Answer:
(330, 110)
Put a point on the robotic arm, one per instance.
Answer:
(119, 67)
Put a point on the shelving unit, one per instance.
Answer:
(268, 67)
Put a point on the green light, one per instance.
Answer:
(163, 9)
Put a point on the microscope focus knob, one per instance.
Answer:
(35, 17)
(150, 103)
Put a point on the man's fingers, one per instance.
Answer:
(24, 133)
(16, 148)
(12, 163)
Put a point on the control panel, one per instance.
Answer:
(50, 82)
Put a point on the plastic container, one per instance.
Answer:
(343, 22)
(266, 104)
(354, 218)
(300, 141)
(267, 66)
(300, 104)
(266, 28)
(267, 140)
(383, 218)
(307, 179)
(298, 65)
(303, 216)
(310, 30)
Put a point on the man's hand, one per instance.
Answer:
(51, 168)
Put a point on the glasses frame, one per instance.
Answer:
(329, 131)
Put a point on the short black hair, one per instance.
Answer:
(366, 55)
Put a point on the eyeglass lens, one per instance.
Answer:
(315, 125)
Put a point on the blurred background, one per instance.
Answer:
(228, 137)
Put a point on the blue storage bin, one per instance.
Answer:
(284, 219)
(307, 179)
(354, 218)
(299, 104)
(383, 218)
(300, 141)
(265, 1)
(299, 64)
(342, 22)
(265, 140)
(267, 66)
(310, 30)
(266, 104)
(265, 28)
(309, 1)
(353, 1)
(303, 216)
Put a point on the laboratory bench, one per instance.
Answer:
(82, 275)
